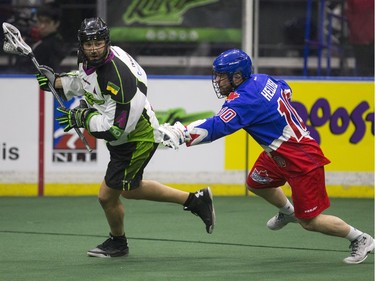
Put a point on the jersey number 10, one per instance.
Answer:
(291, 116)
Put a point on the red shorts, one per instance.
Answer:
(309, 193)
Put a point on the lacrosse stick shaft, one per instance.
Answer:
(60, 101)
(58, 98)
(14, 44)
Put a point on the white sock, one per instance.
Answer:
(288, 209)
(353, 234)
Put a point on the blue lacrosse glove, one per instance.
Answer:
(77, 117)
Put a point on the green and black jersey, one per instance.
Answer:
(118, 90)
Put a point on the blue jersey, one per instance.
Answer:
(261, 106)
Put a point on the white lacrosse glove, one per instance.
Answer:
(174, 136)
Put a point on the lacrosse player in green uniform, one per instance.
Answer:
(115, 108)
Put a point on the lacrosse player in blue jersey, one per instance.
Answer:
(115, 108)
(260, 105)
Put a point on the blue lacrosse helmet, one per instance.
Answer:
(231, 62)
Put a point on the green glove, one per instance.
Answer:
(46, 75)
(77, 117)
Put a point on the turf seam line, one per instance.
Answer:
(174, 240)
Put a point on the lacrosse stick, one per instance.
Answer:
(14, 44)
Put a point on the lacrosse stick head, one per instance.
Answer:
(13, 42)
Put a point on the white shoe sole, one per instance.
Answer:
(211, 228)
(97, 255)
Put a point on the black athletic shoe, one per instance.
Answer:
(110, 248)
(201, 204)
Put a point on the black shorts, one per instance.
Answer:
(127, 162)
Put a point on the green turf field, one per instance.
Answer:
(47, 238)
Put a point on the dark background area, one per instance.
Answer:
(281, 35)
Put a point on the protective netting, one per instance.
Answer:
(13, 42)
(10, 49)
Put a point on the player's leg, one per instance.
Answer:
(312, 200)
(361, 244)
(326, 224)
(199, 203)
(113, 209)
(274, 195)
(155, 191)
(110, 191)
(116, 245)
(264, 180)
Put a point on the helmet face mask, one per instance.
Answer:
(93, 29)
(232, 63)
(222, 84)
